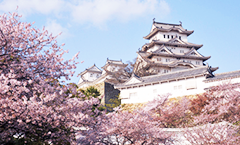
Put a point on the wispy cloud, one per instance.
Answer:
(28, 7)
(99, 12)
(56, 28)
(96, 12)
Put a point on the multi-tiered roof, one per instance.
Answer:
(112, 73)
(168, 50)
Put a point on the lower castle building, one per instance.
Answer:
(168, 64)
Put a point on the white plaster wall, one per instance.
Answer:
(193, 61)
(175, 88)
(176, 50)
(163, 59)
(91, 76)
(159, 36)
(83, 86)
(114, 68)
(80, 80)
(179, 68)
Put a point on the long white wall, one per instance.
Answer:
(175, 89)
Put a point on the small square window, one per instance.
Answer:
(165, 71)
(164, 36)
(172, 36)
(180, 38)
(180, 87)
(167, 60)
(181, 51)
(168, 36)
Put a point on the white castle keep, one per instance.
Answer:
(172, 65)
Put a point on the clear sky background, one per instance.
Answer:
(114, 29)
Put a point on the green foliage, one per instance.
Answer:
(91, 91)
(115, 102)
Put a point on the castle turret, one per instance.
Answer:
(168, 50)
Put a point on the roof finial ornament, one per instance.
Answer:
(180, 23)
(138, 49)
(153, 20)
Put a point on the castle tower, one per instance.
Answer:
(168, 50)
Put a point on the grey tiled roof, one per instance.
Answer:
(171, 76)
(222, 76)
(165, 27)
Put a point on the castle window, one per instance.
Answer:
(180, 38)
(164, 36)
(175, 87)
(167, 60)
(172, 36)
(91, 75)
(193, 53)
(180, 87)
(181, 51)
(159, 59)
(165, 71)
(197, 63)
(168, 36)
(132, 94)
(163, 50)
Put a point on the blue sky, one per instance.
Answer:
(114, 29)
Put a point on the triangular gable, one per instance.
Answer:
(181, 62)
(153, 27)
(133, 80)
(176, 41)
(94, 68)
(193, 52)
(163, 49)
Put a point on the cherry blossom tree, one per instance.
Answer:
(218, 133)
(34, 105)
(136, 127)
(139, 126)
(170, 114)
(217, 120)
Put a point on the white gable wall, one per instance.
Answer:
(91, 76)
(176, 50)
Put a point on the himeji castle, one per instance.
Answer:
(173, 66)
(168, 50)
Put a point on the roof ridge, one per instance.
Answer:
(167, 23)
(226, 72)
